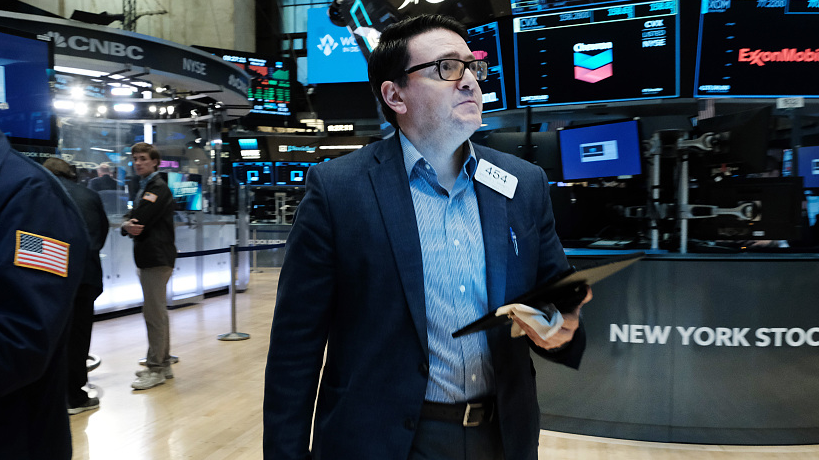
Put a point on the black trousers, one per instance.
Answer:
(436, 440)
(79, 342)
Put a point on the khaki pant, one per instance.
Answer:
(154, 283)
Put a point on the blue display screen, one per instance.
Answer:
(292, 173)
(333, 56)
(598, 151)
(253, 173)
(186, 190)
(808, 166)
(26, 114)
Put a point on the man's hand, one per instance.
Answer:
(132, 227)
(571, 321)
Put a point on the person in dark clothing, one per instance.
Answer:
(150, 224)
(43, 246)
(103, 181)
(79, 335)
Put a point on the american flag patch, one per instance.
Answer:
(41, 253)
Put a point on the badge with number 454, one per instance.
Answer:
(496, 179)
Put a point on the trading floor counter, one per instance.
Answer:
(695, 348)
(192, 276)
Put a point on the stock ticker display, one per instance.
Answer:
(761, 48)
(622, 52)
(484, 41)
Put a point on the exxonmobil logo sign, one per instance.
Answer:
(95, 45)
(760, 58)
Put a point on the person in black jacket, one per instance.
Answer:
(43, 246)
(150, 224)
(79, 335)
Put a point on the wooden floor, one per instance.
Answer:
(212, 409)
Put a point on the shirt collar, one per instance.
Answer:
(412, 156)
(144, 181)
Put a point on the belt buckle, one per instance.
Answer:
(468, 412)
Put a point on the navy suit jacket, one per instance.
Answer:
(352, 280)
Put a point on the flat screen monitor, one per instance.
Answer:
(333, 55)
(186, 190)
(484, 41)
(541, 149)
(528, 6)
(601, 150)
(271, 81)
(595, 54)
(772, 209)
(292, 173)
(253, 173)
(741, 138)
(808, 166)
(26, 106)
(757, 49)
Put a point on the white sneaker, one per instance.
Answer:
(149, 380)
(143, 372)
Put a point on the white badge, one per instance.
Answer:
(496, 179)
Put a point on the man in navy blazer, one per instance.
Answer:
(393, 248)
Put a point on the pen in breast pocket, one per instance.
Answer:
(514, 240)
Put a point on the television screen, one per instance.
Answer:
(541, 149)
(757, 49)
(253, 173)
(742, 139)
(768, 208)
(484, 41)
(600, 150)
(808, 165)
(186, 190)
(628, 51)
(333, 56)
(271, 80)
(292, 173)
(26, 110)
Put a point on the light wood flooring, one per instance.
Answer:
(212, 409)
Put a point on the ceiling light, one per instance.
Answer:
(124, 107)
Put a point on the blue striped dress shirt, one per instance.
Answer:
(452, 251)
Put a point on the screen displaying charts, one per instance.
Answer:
(758, 49)
(618, 52)
(484, 41)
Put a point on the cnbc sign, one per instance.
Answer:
(333, 56)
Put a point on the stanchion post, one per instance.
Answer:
(233, 335)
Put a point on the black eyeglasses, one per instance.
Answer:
(453, 69)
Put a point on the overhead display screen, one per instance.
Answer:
(628, 51)
(763, 48)
(484, 41)
(540, 6)
(26, 114)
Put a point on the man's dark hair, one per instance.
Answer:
(144, 147)
(389, 59)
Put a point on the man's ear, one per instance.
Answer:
(392, 96)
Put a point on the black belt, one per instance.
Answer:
(468, 414)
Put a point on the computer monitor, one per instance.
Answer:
(484, 41)
(26, 105)
(541, 150)
(253, 173)
(186, 190)
(807, 166)
(603, 150)
(292, 173)
(757, 49)
(768, 208)
(741, 138)
(597, 53)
